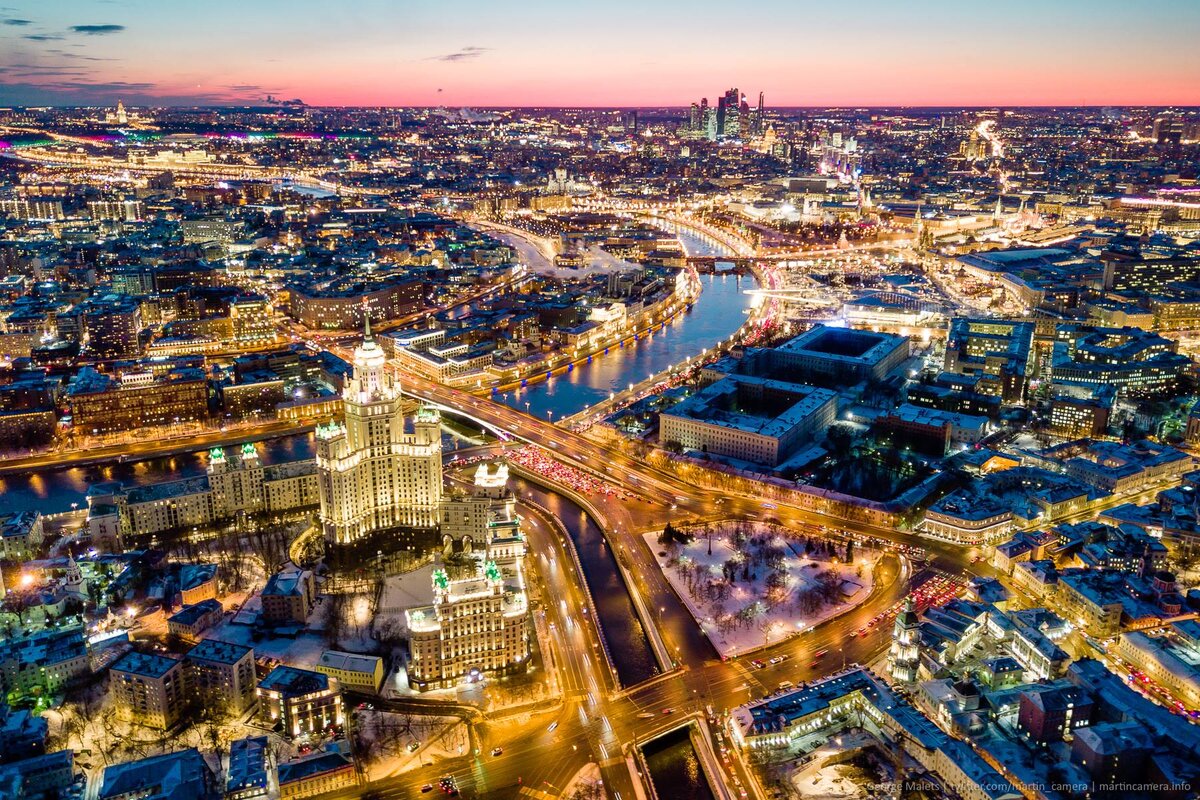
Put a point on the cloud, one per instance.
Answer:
(97, 30)
(81, 92)
(465, 54)
(77, 56)
(41, 37)
(18, 22)
(101, 86)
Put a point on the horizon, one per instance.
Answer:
(620, 54)
(577, 107)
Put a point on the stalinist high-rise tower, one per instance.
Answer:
(380, 469)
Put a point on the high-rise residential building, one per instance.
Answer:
(222, 676)
(476, 626)
(150, 689)
(117, 210)
(380, 469)
(34, 209)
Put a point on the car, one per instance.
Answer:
(777, 660)
(668, 711)
(646, 715)
(553, 727)
(414, 747)
(427, 788)
(758, 663)
(497, 751)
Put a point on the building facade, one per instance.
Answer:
(380, 469)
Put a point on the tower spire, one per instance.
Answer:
(366, 321)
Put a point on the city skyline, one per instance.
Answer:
(667, 400)
(377, 54)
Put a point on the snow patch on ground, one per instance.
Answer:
(745, 613)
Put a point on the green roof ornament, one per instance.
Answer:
(248, 449)
(491, 571)
(217, 454)
(441, 580)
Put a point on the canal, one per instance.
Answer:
(675, 768)
(720, 310)
(623, 631)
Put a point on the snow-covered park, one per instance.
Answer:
(748, 584)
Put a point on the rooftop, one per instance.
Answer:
(219, 652)
(146, 664)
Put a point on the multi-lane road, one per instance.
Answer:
(599, 721)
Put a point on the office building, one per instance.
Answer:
(1132, 361)
(996, 350)
(749, 418)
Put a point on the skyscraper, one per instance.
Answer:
(380, 469)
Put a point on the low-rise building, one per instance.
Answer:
(353, 671)
(45, 662)
(316, 773)
(300, 701)
(803, 718)
(182, 775)
(1051, 712)
(1087, 604)
(1174, 665)
(189, 622)
(21, 536)
(250, 775)
(288, 597)
(38, 778)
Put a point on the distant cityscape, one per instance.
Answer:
(721, 450)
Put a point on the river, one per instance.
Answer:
(719, 311)
(52, 491)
